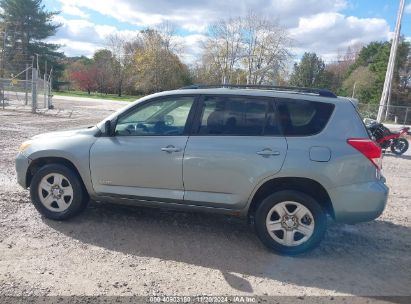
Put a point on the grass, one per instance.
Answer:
(96, 95)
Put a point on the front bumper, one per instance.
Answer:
(359, 202)
(22, 165)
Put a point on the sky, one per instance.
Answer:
(327, 27)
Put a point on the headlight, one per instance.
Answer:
(25, 145)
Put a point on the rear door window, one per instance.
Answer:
(303, 117)
(237, 115)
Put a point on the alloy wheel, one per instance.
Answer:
(290, 223)
(55, 192)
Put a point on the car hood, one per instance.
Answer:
(68, 133)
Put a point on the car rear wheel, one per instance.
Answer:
(57, 193)
(290, 222)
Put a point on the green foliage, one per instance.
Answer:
(366, 73)
(360, 83)
(26, 24)
(374, 57)
(310, 72)
(103, 59)
(157, 68)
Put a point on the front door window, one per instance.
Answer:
(161, 117)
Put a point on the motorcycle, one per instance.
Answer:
(388, 139)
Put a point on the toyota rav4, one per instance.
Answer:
(285, 158)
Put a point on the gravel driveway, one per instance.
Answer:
(112, 250)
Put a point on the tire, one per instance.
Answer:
(399, 146)
(57, 192)
(284, 237)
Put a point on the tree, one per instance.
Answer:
(254, 44)
(359, 83)
(85, 74)
(338, 70)
(122, 56)
(223, 47)
(310, 72)
(105, 80)
(157, 67)
(405, 73)
(401, 89)
(375, 56)
(26, 25)
(265, 49)
(100, 72)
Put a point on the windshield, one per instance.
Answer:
(100, 125)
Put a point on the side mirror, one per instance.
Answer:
(108, 129)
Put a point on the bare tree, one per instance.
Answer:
(122, 56)
(340, 67)
(265, 48)
(223, 47)
(167, 32)
(253, 43)
(102, 59)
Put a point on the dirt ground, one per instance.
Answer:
(112, 250)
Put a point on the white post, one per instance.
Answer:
(33, 90)
(387, 108)
(26, 97)
(45, 87)
(353, 90)
(49, 96)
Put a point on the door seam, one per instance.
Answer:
(182, 167)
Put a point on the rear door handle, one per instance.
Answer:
(171, 149)
(268, 152)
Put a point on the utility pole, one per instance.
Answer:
(387, 108)
(388, 103)
(391, 63)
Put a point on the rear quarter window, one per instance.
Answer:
(303, 117)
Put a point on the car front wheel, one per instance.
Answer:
(56, 192)
(290, 222)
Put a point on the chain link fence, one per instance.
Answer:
(16, 92)
(33, 93)
(391, 114)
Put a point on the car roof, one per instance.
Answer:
(252, 92)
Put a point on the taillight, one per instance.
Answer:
(368, 148)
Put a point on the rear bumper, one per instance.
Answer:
(359, 202)
(22, 165)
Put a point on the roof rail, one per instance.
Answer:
(320, 92)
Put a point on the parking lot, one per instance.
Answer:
(112, 250)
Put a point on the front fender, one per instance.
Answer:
(75, 149)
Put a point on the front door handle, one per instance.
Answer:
(268, 152)
(171, 149)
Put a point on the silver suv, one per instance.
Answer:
(286, 158)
